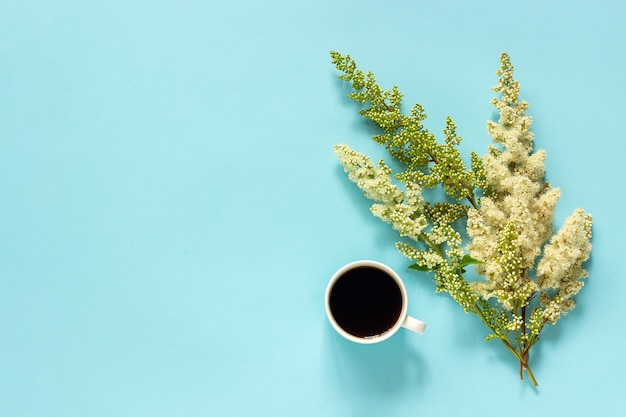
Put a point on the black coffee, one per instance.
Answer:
(365, 301)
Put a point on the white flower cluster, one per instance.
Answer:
(560, 270)
(402, 211)
(519, 195)
(426, 258)
(515, 219)
(374, 182)
(506, 279)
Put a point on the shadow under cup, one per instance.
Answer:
(366, 302)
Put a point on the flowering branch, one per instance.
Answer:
(529, 274)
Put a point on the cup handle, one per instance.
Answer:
(414, 325)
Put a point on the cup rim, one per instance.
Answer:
(403, 311)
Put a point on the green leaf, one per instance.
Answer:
(468, 260)
(417, 267)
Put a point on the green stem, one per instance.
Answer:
(526, 367)
(431, 244)
(521, 355)
(472, 199)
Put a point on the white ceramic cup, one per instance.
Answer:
(356, 272)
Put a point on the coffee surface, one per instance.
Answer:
(365, 301)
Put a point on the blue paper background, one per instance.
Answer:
(171, 209)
